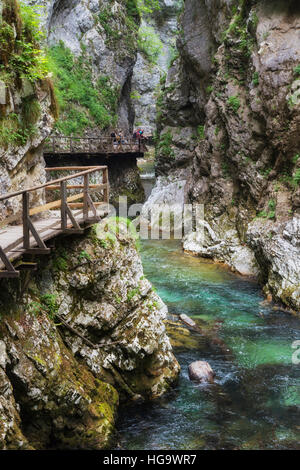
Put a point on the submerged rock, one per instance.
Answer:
(187, 320)
(200, 371)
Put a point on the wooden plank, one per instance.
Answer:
(77, 186)
(75, 168)
(54, 204)
(80, 205)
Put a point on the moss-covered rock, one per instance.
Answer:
(87, 328)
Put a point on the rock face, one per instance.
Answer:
(200, 371)
(104, 33)
(233, 97)
(157, 36)
(27, 113)
(87, 328)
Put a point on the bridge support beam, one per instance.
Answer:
(28, 228)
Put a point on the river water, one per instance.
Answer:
(255, 401)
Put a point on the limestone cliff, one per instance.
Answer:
(229, 130)
(156, 50)
(27, 105)
(92, 43)
(86, 328)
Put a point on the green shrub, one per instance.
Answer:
(82, 103)
(255, 79)
(200, 132)
(234, 103)
(297, 70)
(49, 303)
(164, 145)
(149, 43)
(272, 204)
(296, 177)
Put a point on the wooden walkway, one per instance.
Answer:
(28, 236)
(58, 145)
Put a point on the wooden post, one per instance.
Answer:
(26, 233)
(63, 207)
(28, 228)
(105, 181)
(85, 198)
(10, 270)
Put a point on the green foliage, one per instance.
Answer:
(296, 158)
(234, 103)
(164, 145)
(296, 177)
(105, 17)
(60, 261)
(255, 79)
(31, 110)
(132, 9)
(147, 6)
(21, 53)
(15, 131)
(84, 255)
(254, 19)
(49, 304)
(82, 102)
(31, 22)
(174, 54)
(272, 204)
(265, 173)
(132, 294)
(149, 43)
(238, 30)
(200, 132)
(297, 70)
(270, 213)
(134, 95)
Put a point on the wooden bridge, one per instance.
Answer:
(29, 232)
(109, 146)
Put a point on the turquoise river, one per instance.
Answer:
(255, 401)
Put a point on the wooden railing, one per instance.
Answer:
(10, 241)
(94, 145)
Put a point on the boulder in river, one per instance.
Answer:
(200, 371)
(187, 320)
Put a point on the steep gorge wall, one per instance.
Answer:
(84, 331)
(27, 108)
(229, 134)
(101, 42)
(157, 48)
